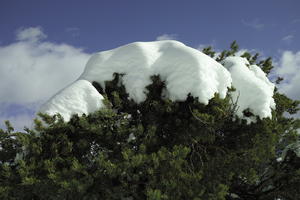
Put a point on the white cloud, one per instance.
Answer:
(167, 37)
(32, 70)
(288, 38)
(213, 44)
(255, 23)
(32, 34)
(289, 64)
(289, 69)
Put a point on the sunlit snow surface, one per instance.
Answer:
(253, 89)
(185, 71)
(79, 97)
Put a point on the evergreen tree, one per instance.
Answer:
(157, 150)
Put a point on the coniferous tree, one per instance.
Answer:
(158, 149)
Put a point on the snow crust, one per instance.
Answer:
(185, 71)
(253, 89)
(78, 98)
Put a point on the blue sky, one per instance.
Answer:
(50, 41)
(99, 25)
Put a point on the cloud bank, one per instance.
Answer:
(32, 70)
(289, 69)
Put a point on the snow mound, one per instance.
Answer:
(254, 91)
(184, 69)
(78, 98)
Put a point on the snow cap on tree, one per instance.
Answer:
(185, 71)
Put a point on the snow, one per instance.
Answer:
(185, 71)
(79, 97)
(131, 137)
(253, 89)
(295, 147)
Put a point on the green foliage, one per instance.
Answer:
(209, 51)
(156, 150)
(266, 65)
(231, 52)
